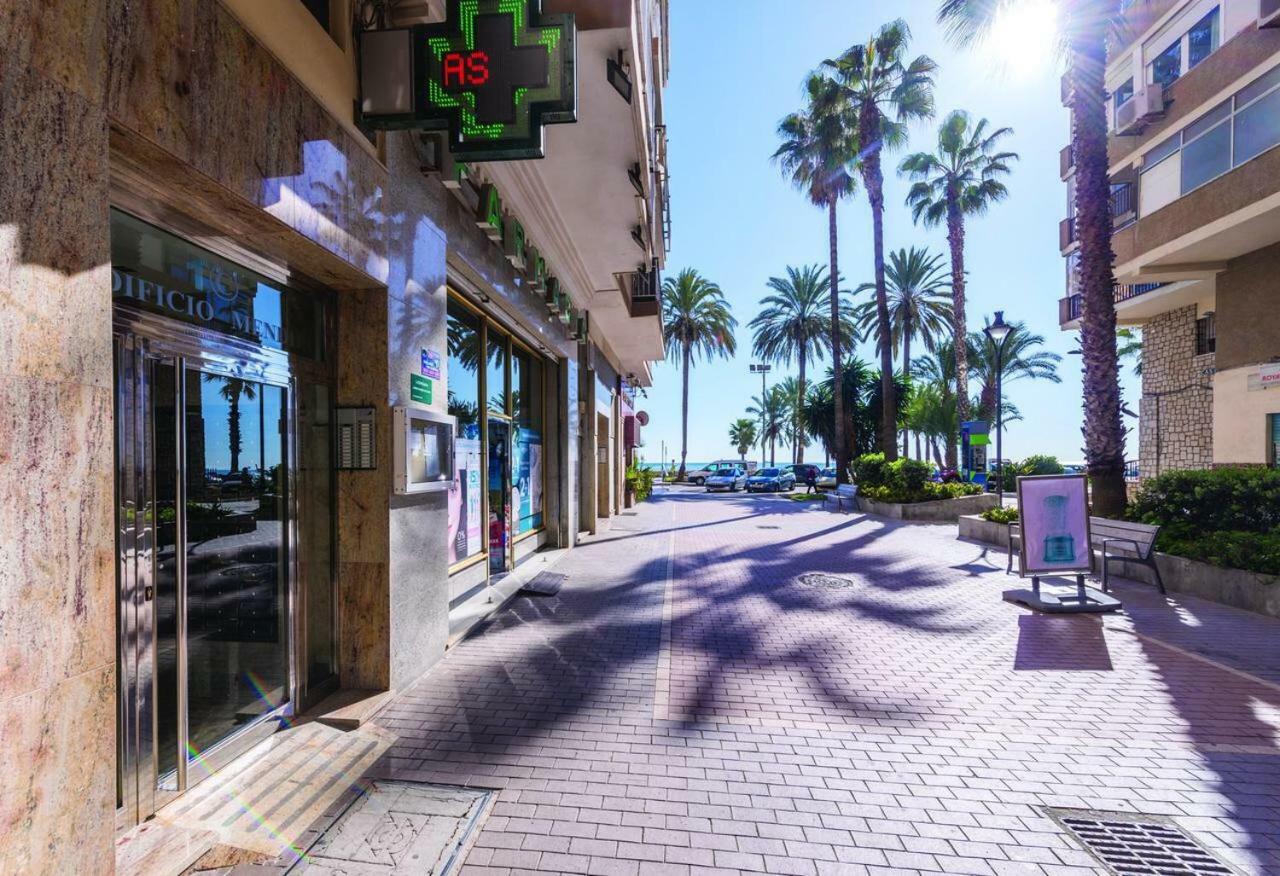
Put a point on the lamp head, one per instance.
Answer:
(998, 330)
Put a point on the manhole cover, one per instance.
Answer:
(1133, 844)
(823, 581)
(399, 828)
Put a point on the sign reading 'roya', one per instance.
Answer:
(492, 74)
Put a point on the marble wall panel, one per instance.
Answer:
(57, 800)
(187, 76)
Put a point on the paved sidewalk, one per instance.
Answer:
(895, 718)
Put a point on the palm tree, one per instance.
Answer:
(232, 390)
(793, 326)
(932, 413)
(1131, 348)
(793, 403)
(961, 179)
(1020, 358)
(771, 412)
(817, 145)
(917, 305)
(885, 91)
(695, 320)
(1084, 31)
(742, 434)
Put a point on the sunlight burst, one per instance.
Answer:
(1023, 38)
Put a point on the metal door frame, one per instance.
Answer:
(143, 338)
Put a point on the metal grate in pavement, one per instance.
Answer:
(545, 584)
(823, 581)
(1129, 844)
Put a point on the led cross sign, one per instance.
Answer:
(492, 74)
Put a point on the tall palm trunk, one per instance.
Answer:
(1103, 429)
(842, 444)
(798, 448)
(684, 414)
(906, 373)
(959, 323)
(873, 176)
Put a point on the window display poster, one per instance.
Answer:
(464, 499)
(526, 486)
(1054, 515)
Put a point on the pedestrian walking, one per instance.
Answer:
(811, 477)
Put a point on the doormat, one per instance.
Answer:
(544, 584)
(396, 827)
(1128, 843)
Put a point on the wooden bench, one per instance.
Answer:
(842, 494)
(1119, 542)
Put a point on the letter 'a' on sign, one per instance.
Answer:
(491, 75)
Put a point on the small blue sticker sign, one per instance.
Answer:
(431, 364)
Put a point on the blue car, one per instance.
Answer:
(773, 480)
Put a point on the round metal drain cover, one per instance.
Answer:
(823, 581)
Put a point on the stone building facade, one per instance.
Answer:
(1176, 410)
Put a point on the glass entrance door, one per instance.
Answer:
(499, 495)
(204, 534)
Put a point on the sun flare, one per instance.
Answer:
(1023, 37)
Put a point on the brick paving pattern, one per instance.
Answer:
(686, 706)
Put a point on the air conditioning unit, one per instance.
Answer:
(1269, 13)
(1145, 105)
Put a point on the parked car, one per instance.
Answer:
(827, 479)
(731, 479)
(698, 477)
(774, 480)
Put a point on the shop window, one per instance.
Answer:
(1274, 444)
(465, 496)
(1206, 335)
(527, 411)
(496, 371)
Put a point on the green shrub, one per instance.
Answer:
(1038, 464)
(870, 470)
(1000, 515)
(1214, 500)
(640, 482)
(1251, 551)
(926, 492)
(1227, 516)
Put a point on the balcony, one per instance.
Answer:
(1071, 307)
(643, 298)
(1067, 238)
(1066, 162)
(1124, 211)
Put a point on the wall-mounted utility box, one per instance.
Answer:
(423, 450)
(357, 444)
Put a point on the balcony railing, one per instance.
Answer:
(1067, 234)
(1066, 161)
(1071, 307)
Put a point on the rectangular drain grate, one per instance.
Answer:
(1139, 844)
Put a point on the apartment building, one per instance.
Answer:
(1194, 108)
(286, 388)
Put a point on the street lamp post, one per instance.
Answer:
(762, 369)
(997, 332)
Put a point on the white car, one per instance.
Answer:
(827, 479)
(731, 479)
(698, 477)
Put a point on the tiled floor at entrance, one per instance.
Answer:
(685, 705)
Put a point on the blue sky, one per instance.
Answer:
(736, 70)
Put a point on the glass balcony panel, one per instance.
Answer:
(1257, 127)
(1206, 157)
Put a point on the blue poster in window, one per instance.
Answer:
(526, 480)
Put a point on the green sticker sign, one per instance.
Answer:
(420, 389)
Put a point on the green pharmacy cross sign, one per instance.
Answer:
(492, 75)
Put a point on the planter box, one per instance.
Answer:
(995, 534)
(940, 511)
(1251, 591)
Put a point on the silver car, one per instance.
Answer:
(731, 479)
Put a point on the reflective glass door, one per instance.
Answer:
(204, 535)
(499, 495)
